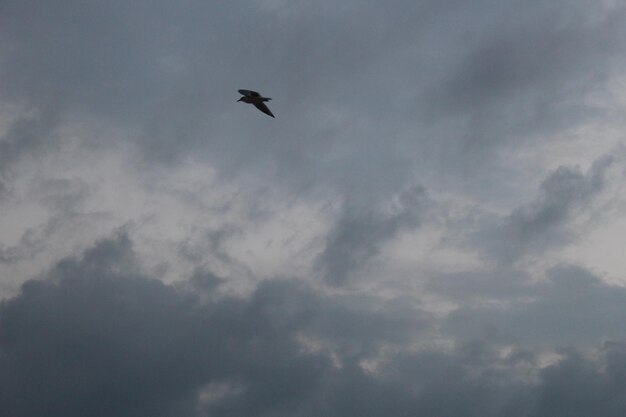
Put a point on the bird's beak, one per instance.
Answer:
(238, 100)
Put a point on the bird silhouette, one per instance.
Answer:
(255, 98)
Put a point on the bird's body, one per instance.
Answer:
(252, 97)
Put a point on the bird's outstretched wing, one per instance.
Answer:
(249, 93)
(263, 108)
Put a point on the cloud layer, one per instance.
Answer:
(96, 336)
(432, 225)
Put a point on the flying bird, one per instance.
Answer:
(255, 98)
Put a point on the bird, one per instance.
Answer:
(255, 98)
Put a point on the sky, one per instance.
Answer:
(431, 226)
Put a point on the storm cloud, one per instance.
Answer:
(97, 336)
(432, 225)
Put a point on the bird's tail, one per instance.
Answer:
(266, 98)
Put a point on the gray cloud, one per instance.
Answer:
(96, 336)
(360, 231)
(170, 72)
(542, 223)
(26, 136)
(578, 386)
(371, 98)
(62, 199)
(526, 69)
(572, 308)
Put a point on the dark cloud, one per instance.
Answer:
(83, 56)
(526, 68)
(543, 223)
(572, 308)
(578, 386)
(95, 336)
(360, 231)
(27, 136)
(4, 191)
(347, 77)
(539, 226)
(370, 98)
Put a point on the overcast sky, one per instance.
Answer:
(432, 225)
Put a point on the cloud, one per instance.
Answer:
(25, 136)
(96, 336)
(527, 69)
(578, 386)
(543, 223)
(360, 231)
(572, 308)
(63, 200)
(365, 71)
(117, 115)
